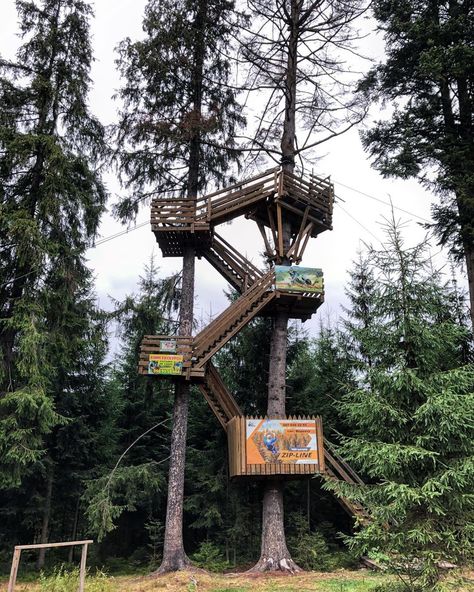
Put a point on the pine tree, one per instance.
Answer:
(51, 199)
(427, 78)
(176, 133)
(411, 415)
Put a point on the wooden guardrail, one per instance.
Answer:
(232, 265)
(238, 199)
(218, 397)
(231, 321)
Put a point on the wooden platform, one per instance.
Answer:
(305, 201)
(242, 449)
(297, 306)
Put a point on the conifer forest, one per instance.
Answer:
(237, 295)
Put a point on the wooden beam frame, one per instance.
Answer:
(19, 548)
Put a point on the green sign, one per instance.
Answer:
(299, 279)
(165, 364)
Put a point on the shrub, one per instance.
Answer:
(210, 557)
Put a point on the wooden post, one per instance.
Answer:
(82, 572)
(14, 570)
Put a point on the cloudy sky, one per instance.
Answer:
(359, 211)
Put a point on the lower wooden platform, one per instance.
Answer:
(297, 306)
(265, 447)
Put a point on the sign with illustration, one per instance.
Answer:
(168, 345)
(299, 279)
(292, 441)
(165, 364)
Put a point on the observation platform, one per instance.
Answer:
(274, 196)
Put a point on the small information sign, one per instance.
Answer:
(168, 345)
(165, 364)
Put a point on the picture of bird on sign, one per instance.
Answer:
(299, 279)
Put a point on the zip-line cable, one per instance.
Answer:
(386, 203)
(101, 241)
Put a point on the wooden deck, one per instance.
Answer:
(304, 201)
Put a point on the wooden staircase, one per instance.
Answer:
(337, 469)
(211, 339)
(234, 267)
(218, 397)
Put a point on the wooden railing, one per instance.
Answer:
(235, 200)
(338, 469)
(218, 397)
(233, 266)
(239, 199)
(232, 320)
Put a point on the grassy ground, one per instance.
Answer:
(340, 581)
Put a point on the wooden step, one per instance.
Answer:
(232, 320)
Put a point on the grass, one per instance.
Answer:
(199, 581)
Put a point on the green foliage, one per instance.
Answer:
(425, 78)
(412, 417)
(52, 197)
(65, 580)
(210, 557)
(189, 119)
(311, 551)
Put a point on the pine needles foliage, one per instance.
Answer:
(411, 414)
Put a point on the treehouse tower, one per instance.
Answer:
(274, 199)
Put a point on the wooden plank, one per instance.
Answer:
(281, 251)
(53, 545)
(82, 570)
(268, 248)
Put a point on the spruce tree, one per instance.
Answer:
(51, 199)
(411, 415)
(427, 77)
(176, 134)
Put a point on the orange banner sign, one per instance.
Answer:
(282, 441)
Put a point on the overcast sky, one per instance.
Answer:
(357, 217)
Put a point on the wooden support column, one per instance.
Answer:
(14, 569)
(281, 250)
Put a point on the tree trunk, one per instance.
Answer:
(46, 517)
(174, 556)
(469, 257)
(274, 554)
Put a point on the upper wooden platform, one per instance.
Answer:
(306, 202)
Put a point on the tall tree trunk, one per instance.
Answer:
(274, 554)
(469, 257)
(174, 556)
(46, 516)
